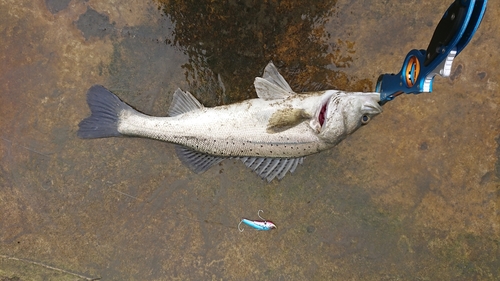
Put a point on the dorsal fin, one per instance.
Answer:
(272, 74)
(272, 85)
(183, 102)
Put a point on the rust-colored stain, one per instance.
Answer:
(237, 40)
(413, 195)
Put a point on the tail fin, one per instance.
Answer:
(103, 121)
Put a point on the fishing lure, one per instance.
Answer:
(262, 224)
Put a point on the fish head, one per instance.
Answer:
(341, 114)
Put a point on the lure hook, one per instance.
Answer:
(258, 214)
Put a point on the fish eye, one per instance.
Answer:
(365, 119)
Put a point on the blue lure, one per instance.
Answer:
(258, 224)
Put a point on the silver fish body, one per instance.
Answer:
(270, 134)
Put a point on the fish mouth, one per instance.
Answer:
(322, 113)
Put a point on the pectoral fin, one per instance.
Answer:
(285, 119)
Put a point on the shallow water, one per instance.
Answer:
(414, 195)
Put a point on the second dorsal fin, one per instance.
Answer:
(183, 102)
(272, 85)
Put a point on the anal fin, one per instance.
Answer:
(198, 162)
(264, 167)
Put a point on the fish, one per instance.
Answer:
(270, 134)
